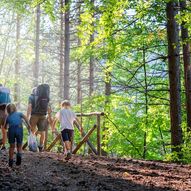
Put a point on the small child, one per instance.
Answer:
(15, 132)
(66, 117)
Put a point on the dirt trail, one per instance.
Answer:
(47, 171)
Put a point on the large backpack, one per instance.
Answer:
(41, 99)
(4, 95)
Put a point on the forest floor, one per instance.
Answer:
(48, 171)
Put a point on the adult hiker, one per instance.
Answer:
(38, 105)
(66, 117)
(14, 125)
(4, 100)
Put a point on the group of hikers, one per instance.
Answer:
(37, 118)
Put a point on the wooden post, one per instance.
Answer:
(84, 139)
(98, 136)
(53, 143)
(88, 141)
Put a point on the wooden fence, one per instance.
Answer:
(85, 136)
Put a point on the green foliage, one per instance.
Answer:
(129, 49)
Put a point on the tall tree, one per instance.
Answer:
(79, 86)
(174, 75)
(91, 70)
(17, 63)
(187, 65)
(61, 83)
(91, 66)
(37, 46)
(146, 102)
(79, 64)
(67, 50)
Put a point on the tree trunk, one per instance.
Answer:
(174, 76)
(79, 64)
(187, 66)
(61, 82)
(91, 66)
(37, 45)
(107, 108)
(91, 70)
(67, 51)
(146, 104)
(17, 64)
(79, 88)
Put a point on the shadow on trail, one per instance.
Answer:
(46, 171)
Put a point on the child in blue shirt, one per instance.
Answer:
(15, 132)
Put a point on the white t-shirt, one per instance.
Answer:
(66, 118)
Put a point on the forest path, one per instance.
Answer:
(47, 171)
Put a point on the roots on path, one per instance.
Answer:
(48, 171)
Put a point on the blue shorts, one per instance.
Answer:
(15, 134)
(67, 134)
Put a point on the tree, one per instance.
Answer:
(174, 75)
(17, 63)
(67, 50)
(79, 86)
(37, 46)
(91, 66)
(61, 83)
(187, 65)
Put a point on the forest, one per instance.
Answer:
(125, 67)
(128, 59)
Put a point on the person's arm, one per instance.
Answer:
(50, 119)
(54, 125)
(77, 122)
(29, 110)
(56, 119)
(27, 122)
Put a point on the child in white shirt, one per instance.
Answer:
(66, 117)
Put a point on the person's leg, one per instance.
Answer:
(67, 143)
(68, 150)
(19, 138)
(11, 138)
(64, 147)
(19, 154)
(11, 154)
(33, 122)
(42, 138)
(11, 151)
(42, 125)
(71, 136)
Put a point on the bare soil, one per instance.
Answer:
(49, 171)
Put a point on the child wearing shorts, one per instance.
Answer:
(15, 132)
(66, 117)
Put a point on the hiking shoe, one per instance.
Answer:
(68, 156)
(11, 163)
(18, 159)
(40, 148)
(3, 148)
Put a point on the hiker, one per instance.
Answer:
(15, 132)
(4, 100)
(66, 117)
(37, 109)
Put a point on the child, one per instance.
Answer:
(15, 132)
(66, 117)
